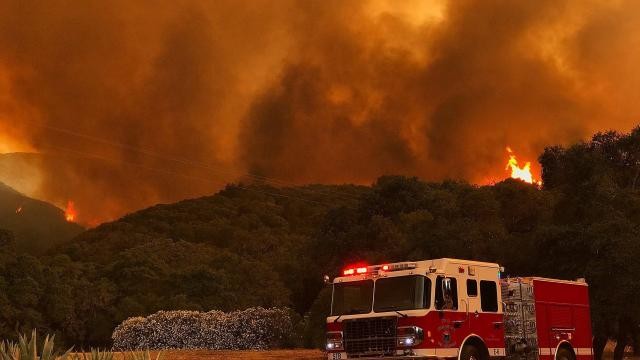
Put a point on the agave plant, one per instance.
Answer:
(27, 349)
(142, 355)
(9, 350)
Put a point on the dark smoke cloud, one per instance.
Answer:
(360, 105)
(166, 78)
(303, 91)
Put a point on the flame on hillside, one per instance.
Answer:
(19, 210)
(521, 173)
(70, 212)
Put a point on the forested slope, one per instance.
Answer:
(255, 245)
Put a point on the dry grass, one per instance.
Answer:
(245, 355)
(279, 355)
(240, 355)
(608, 352)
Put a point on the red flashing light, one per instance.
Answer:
(355, 269)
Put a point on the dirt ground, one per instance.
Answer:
(302, 354)
(274, 355)
(278, 355)
(245, 355)
(241, 355)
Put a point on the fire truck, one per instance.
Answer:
(450, 308)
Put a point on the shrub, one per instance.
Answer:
(254, 328)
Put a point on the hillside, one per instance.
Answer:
(258, 245)
(246, 236)
(103, 186)
(244, 246)
(36, 225)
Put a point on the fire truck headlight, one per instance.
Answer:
(334, 341)
(409, 336)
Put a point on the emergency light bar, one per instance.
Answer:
(353, 271)
(360, 270)
(398, 266)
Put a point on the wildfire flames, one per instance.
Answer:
(19, 210)
(522, 173)
(70, 212)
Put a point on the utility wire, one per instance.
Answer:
(188, 162)
(168, 172)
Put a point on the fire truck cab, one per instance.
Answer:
(450, 308)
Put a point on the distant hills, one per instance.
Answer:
(21, 171)
(36, 225)
(102, 186)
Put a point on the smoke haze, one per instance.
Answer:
(134, 103)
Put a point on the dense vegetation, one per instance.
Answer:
(263, 246)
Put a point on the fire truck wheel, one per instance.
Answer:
(564, 354)
(470, 352)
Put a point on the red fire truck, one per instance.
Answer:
(449, 308)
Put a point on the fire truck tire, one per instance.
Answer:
(470, 352)
(564, 354)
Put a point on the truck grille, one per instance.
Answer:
(370, 337)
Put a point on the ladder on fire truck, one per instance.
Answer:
(520, 331)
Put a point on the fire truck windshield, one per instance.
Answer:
(402, 293)
(353, 297)
(391, 294)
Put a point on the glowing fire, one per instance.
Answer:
(70, 212)
(522, 173)
(19, 210)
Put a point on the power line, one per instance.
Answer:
(168, 172)
(189, 162)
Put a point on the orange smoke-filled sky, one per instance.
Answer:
(134, 103)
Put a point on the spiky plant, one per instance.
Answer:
(9, 350)
(142, 355)
(27, 349)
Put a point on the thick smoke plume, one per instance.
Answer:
(134, 103)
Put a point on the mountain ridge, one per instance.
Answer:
(36, 225)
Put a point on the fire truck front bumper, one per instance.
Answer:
(401, 355)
